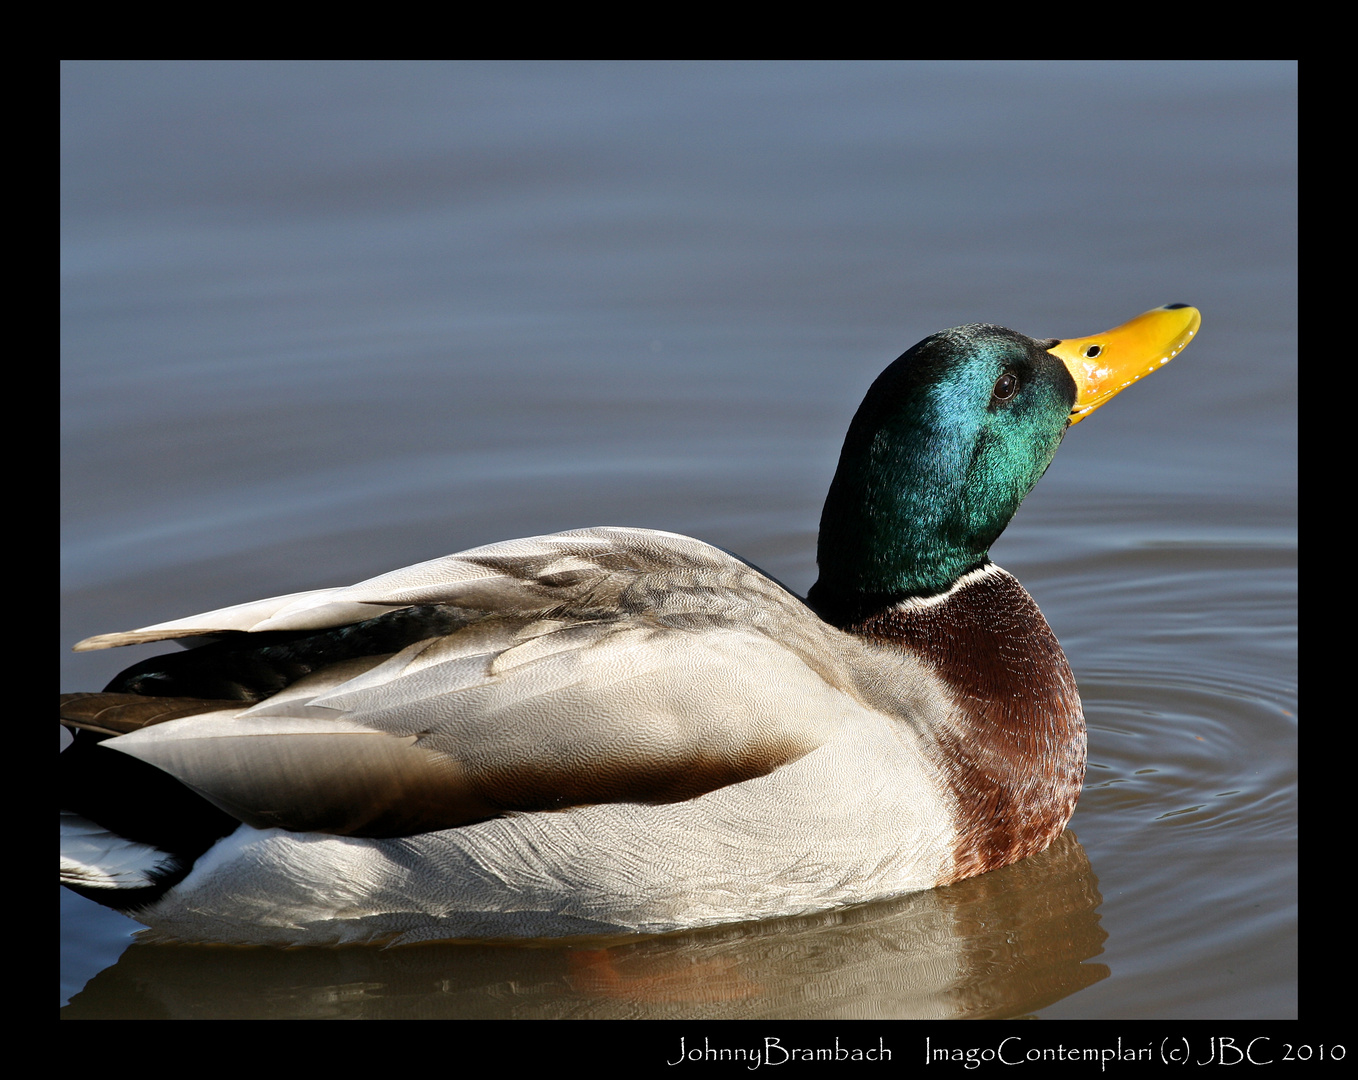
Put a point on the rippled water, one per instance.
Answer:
(320, 321)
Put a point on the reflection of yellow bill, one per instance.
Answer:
(1107, 363)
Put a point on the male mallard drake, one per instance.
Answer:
(621, 729)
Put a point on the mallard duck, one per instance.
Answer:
(617, 729)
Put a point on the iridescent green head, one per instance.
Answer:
(952, 437)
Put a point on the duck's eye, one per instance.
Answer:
(1006, 386)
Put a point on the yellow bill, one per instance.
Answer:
(1107, 363)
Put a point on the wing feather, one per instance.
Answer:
(607, 665)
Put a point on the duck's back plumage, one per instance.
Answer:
(601, 665)
(609, 723)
